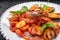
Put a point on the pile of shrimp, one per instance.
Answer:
(28, 25)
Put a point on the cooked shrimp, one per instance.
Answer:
(20, 24)
(25, 28)
(35, 6)
(35, 30)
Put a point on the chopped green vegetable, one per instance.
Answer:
(44, 7)
(48, 24)
(23, 9)
(43, 27)
(16, 12)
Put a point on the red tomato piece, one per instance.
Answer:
(13, 29)
(12, 23)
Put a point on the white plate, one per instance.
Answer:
(5, 24)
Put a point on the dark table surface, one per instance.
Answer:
(5, 4)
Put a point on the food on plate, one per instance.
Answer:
(54, 15)
(47, 8)
(35, 23)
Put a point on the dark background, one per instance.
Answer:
(4, 4)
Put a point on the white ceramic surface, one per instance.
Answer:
(5, 31)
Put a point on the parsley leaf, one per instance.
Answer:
(23, 9)
(48, 24)
(44, 7)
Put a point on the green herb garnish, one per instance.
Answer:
(44, 7)
(48, 24)
(23, 9)
(16, 12)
